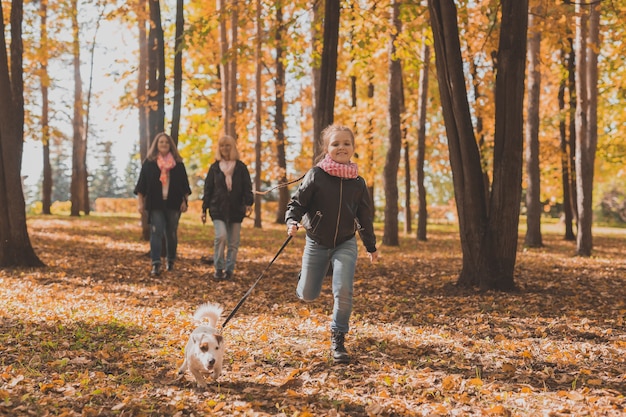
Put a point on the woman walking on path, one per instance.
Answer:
(333, 203)
(228, 198)
(162, 190)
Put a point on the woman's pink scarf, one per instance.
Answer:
(336, 169)
(165, 163)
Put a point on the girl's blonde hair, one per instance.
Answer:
(234, 153)
(326, 135)
(153, 152)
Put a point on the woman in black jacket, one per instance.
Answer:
(162, 190)
(228, 197)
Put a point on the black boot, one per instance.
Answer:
(169, 266)
(340, 355)
(156, 269)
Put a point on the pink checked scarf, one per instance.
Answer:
(336, 169)
(165, 163)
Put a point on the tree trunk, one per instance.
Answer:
(232, 95)
(489, 243)
(325, 103)
(316, 71)
(587, 43)
(571, 65)
(392, 159)
(408, 224)
(46, 188)
(15, 246)
(79, 196)
(178, 69)
(422, 211)
(156, 72)
(565, 166)
(279, 118)
(258, 58)
(533, 237)
(369, 150)
(142, 80)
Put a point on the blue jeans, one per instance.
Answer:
(163, 223)
(315, 262)
(227, 235)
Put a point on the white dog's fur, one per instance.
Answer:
(204, 352)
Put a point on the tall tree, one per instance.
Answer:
(533, 190)
(422, 212)
(178, 68)
(46, 188)
(566, 169)
(79, 188)
(228, 63)
(156, 72)
(392, 159)
(143, 104)
(587, 46)
(279, 115)
(488, 234)
(15, 246)
(258, 117)
(325, 100)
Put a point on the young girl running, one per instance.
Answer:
(333, 203)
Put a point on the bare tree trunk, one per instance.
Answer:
(392, 160)
(565, 165)
(316, 72)
(488, 236)
(325, 102)
(79, 198)
(143, 101)
(571, 65)
(587, 43)
(408, 225)
(15, 246)
(46, 189)
(422, 212)
(533, 237)
(232, 95)
(156, 72)
(279, 117)
(178, 69)
(224, 66)
(142, 79)
(258, 58)
(369, 151)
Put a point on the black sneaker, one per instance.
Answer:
(170, 266)
(219, 274)
(156, 270)
(228, 276)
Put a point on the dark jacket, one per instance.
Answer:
(229, 207)
(332, 209)
(150, 186)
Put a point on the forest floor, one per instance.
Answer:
(93, 334)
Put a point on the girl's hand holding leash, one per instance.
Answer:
(292, 228)
(203, 217)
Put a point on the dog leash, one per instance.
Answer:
(281, 185)
(232, 313)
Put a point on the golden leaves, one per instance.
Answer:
(95, 334)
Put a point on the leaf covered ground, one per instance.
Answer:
(93, 334)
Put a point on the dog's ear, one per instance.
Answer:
(219, 339)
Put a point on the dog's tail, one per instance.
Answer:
(209, 311)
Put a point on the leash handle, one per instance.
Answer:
(239, 304)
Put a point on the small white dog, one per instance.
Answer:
(204, 352)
